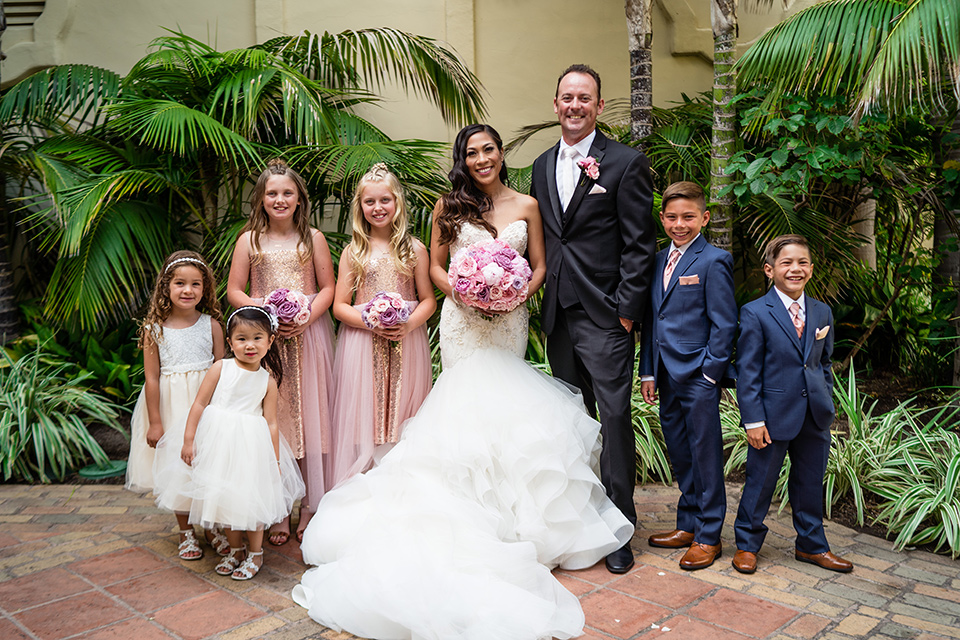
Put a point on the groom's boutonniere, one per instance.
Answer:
(590, 167)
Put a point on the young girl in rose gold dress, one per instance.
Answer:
(382, 373)
(279, 249)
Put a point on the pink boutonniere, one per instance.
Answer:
(590, 167)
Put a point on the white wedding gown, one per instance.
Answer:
(493, 483)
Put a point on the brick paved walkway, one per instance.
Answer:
(97, 562)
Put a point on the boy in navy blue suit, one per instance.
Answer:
(785, 392)
(687, 340)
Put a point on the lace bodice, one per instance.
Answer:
(239, 390)
(185, 350)
(464, 330)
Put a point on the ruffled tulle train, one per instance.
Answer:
(454, 534)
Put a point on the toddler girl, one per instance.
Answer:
(382, 374)
(244, 475)
(279, 249)
(181, 336)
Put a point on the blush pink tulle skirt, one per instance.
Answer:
(355, 398)
(317, 391)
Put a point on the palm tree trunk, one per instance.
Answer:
(640, 36)
(948, 272)
(723, 14)
(9, 316)
(864, 223)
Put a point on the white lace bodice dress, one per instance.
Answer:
(492, 485)
(185, 355)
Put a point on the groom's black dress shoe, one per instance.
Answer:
(621, 560)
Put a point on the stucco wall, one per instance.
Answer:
(516, 47)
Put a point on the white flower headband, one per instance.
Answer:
(187, 259)
(274, 323)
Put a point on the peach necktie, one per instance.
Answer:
(671, 265)
(795, 316)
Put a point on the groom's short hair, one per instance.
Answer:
(579, 68)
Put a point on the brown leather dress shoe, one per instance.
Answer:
(744, 561)
(826, 560)
(675, 539)
(700, 556)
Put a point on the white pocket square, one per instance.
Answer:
(822, 333)
(596, 189)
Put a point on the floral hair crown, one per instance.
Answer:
(274, 323)
(186, 259)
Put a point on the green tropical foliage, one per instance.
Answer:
(43, 417)
(125, 169)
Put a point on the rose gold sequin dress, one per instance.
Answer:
(306, 392)
(380, 383)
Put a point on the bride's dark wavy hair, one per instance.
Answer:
(465, 203)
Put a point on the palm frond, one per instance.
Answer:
(826, 48)
(109, 275)
(918, 61)
(172, 127)
(372, 57)
(70, 93)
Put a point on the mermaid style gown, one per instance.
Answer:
(493, 484)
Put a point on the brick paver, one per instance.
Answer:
(95, 562)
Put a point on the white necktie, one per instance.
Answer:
(671, 265)
(567, 168)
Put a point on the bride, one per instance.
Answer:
(493, 483)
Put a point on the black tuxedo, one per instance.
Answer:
(600, 257)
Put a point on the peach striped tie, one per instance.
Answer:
(795, 316)
(671, 265)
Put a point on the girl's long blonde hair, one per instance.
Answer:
(259, 220)
(160, 303)
(401, 242)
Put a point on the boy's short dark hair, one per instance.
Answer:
(686, 190)
(578, 68)
(775, 246)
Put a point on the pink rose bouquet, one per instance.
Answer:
(385, 310)
(490, 275)
(290, 307)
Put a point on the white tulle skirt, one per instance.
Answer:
(177, 392)
(453, 535)
(235, 480)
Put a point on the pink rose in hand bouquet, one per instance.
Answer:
(490, 276)
(385, 310)
(290, 307)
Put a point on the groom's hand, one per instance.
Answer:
(627, 324)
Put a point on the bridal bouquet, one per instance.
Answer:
(290, 307)
(385, 310)
(490, 275)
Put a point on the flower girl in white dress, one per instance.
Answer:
(244, 476)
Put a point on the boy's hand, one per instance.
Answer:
(154, 432)
(648, 390)
(759, 437)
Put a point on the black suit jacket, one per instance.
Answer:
(604, 243)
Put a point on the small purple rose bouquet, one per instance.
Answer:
(385, 310)
(490, 275)
(290, 307)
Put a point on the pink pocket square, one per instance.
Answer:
(822, 333)
(694, 279)
(595, 189)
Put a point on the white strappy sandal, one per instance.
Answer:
(218, 540)
(230, 561)
(189, 545)
(249, 568)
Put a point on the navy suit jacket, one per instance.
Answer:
(604, 242)
(780, 376)
(692, 325)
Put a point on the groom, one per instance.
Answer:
(595, 198)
